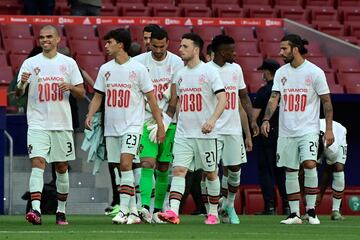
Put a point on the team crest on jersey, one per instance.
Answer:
(37, 71)
(308, 80)
(63, 68)
(283, 80)
(234, 77)
(107, 75)
(202, 79)
(179, 81)
(132, 76)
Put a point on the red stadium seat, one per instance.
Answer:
(321, 62)
(294, 13)
(353, 90)
(336, 89)
(16, 60)
(176, 32)
(261, 11)
(227, 11)
(160, 2)
(84, 47)
(103, 29)
(323, 14)
(123, 2)
(342, 3)
(174, 46)
(197, 2)
(349, 79)
(207, 33)
(319, 3)
(188, 206)
(3, 60)
(85, 32)
(314, 49)
(269, 33)
(249, 63)
(253, 81)
(269, 48)
(293, 3)
(15, 31)
(350, 14)
(17, 45)
(89, 62)
(331, 28)
(135, 11)
(330, 78)
(254, 201)
(247, 49)
(345, 63)
(6, 75)
(194, 10)
(108, 9)
(240, 33)
(165, 10)
(354, 29)
(256, 3)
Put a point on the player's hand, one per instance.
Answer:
(64, 86)
(25, 77)
(153, 128)
(265, 128)
(248, 144)
(88, 122)
(255, 128)
(208, 126)
(160, 134)
(329, 138)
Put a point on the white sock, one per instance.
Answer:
(137, 175)
(127, 190)
(213, 189)
(293, 191)
(233, 186)
(176, 192)
(36, 184)
(62, 188)
(311, 187)
(338, 186)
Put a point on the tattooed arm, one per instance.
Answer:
(270, 109)
(328, 112)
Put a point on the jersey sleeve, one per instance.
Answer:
(320, 85)
(75, 75)
(240, 74)
(25, 67)
(145, 84)
(100, 81)
(277, 82)
(215, 79)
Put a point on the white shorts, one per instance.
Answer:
(53, 146)
(292, 151)
(233, 150)
(115, 146)
(196, 153)
(339, 157)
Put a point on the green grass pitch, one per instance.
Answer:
(191, 227)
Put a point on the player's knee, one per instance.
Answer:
(309, 164)
(338, 167)
(234, 168)
(148, 163)
(38, 162)
(162, 167)
(61, 167)
(211, 176)
(179, 171)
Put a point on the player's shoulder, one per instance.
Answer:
(142, 57)
(174, 57)
(312, 67)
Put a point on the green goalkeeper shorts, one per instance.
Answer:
(161, 152)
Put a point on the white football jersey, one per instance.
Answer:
(196, 88)
(124, 87)
(339, 131)
(161, 74)
(232, 76)
(300, 102)
(48, 108)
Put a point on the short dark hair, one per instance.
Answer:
(209, 49)
(120, 35)
(134, 50)
(151, 28)
(159, 34)
(220, 40)
(296, 41)
(195, 38)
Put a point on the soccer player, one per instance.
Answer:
(51, 78)
(202, 101)
(161, 65)
(124, 83)
(299, 85)
(148, 29)
(229, 125)
(335, 157)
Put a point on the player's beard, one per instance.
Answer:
(289, 58)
